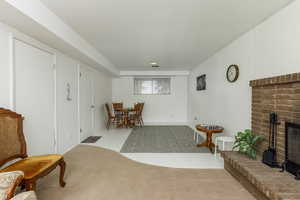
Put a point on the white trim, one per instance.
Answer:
(166, 123)
(78, 105)
(35, 46)
(154, 73)
(12, 72)
(55, 103)
(91, 75)
(70, 148)
(93, 102)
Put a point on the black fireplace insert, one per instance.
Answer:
(292, 149)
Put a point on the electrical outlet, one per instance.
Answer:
(195, 118)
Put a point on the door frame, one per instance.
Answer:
(79, 67)
(12, 39)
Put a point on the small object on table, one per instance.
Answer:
(209, 130)
(224, 140)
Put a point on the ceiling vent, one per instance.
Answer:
(154, 64)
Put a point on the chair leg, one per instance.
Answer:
(108, 124)
(139, 122)
(23, 186)
(30, 185)
(142, 121)
(216, 146)
(62, 165)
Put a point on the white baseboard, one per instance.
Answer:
(166, 123)
(70, 148)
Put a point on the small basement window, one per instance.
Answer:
(152, 86)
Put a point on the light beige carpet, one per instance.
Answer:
(98, 174)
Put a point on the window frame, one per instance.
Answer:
(152, 78)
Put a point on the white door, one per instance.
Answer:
(86, 103)
(34, 96)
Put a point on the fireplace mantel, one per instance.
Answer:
(276, 80)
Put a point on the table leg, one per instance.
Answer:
(126, 119)
(208, 142)
(216, 145)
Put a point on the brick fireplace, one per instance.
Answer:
(279, 94)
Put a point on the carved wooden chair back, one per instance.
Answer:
(136, 106)
(108, 111)
(117, 106)
(13, 145)
(12, 139)
(141, 108)
(140, 117)
(118, 113)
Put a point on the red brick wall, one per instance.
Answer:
(279, 94)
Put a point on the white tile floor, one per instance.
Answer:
(115, 138)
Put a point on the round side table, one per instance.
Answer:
(209, 130)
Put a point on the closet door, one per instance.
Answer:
(34, 96)
(86, 103)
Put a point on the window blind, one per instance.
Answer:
(152, 86)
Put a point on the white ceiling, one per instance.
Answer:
(178, 34)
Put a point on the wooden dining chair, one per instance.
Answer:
(117, 106)
(110, 118)
(118, 113)
(13, 146)
(135, 117)
(141, 113)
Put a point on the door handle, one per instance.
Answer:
(92, 106)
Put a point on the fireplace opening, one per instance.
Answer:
(292, 148)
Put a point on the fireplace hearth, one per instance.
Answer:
(292, 149)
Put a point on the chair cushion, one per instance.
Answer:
(8, 182)
(25, 196)
(33, 166)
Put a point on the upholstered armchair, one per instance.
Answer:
(8, 185)
(13, 146)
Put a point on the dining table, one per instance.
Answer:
(126, 112)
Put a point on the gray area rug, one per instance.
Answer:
(162, 139)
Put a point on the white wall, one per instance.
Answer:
(159, 109)
(270, 49)
(4, 69)
(67, 111)
(102, 95)
(58, 34)
(67, 124)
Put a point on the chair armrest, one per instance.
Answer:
(8, 183)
